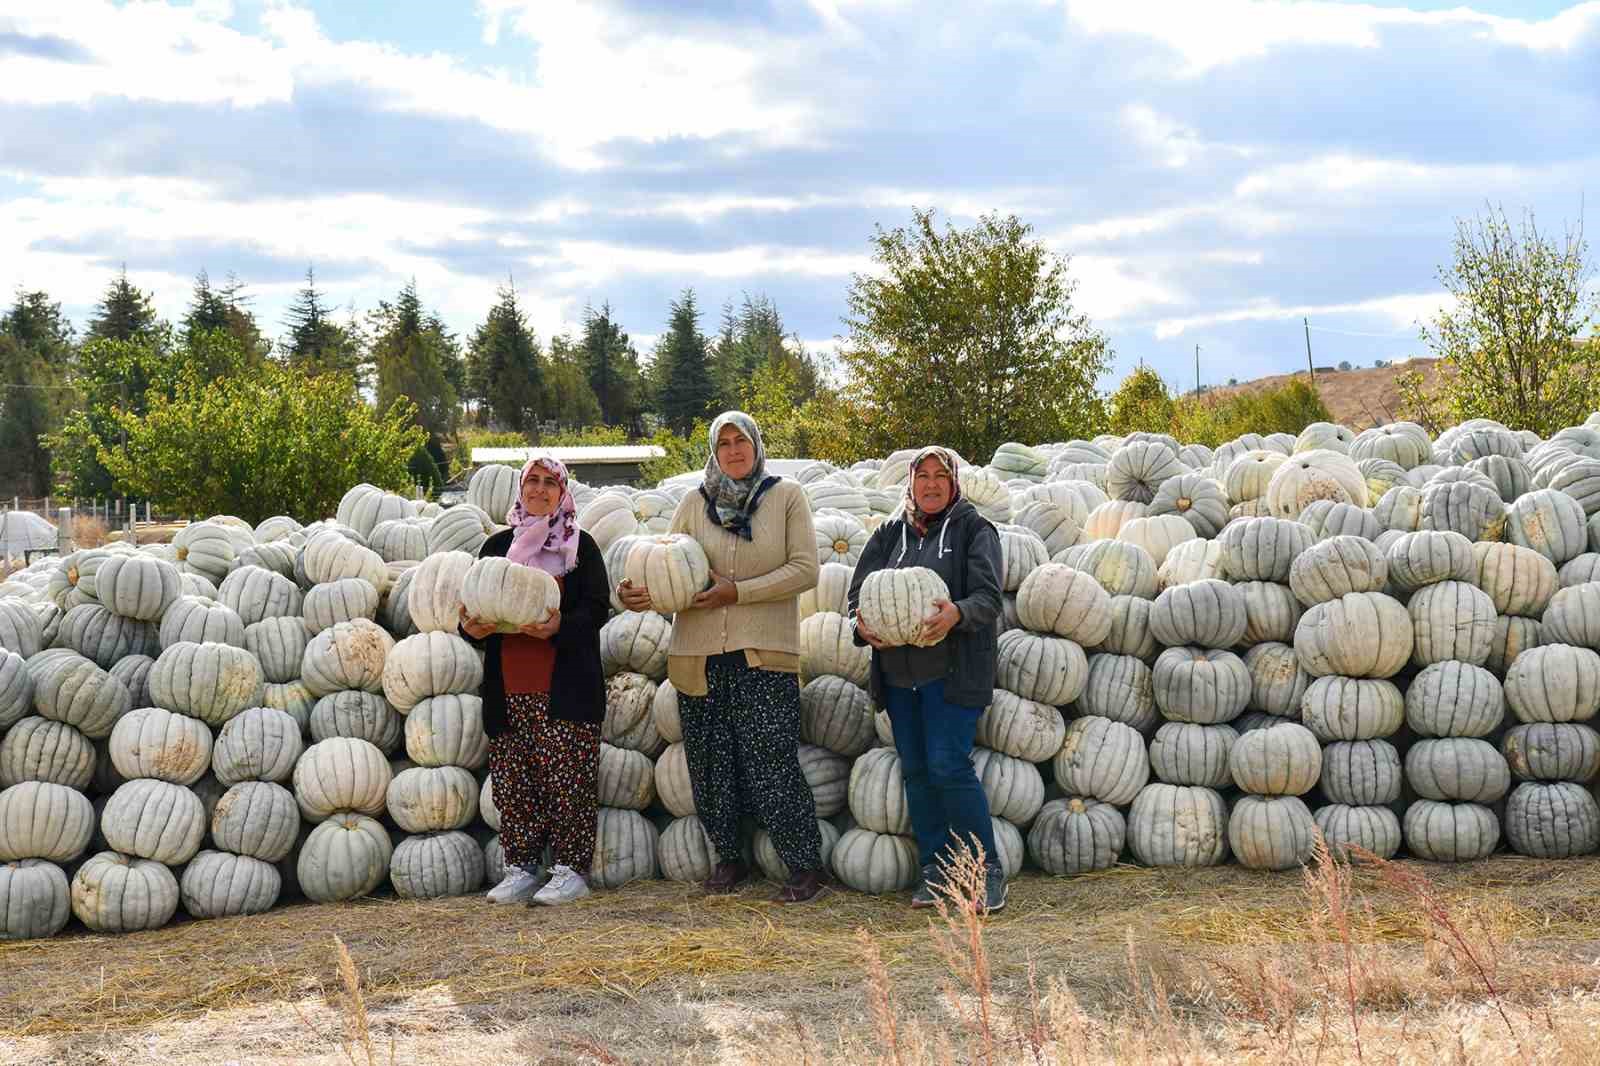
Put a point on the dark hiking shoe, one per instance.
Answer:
(994, 891)
(726, 877)
(927, 893)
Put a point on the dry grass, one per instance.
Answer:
(1490, 962)
(1355, 398)
(89, 532)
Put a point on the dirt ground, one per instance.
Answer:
(1489, 962)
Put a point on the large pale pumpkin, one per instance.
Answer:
(344, 857)
(1455, 699)
(1209, 614)
(1042, 668)
(197, 620)
(1336, 567)
(155, 820)
(625, 848)
(1121, 688)
(348, 655)
(629, 720)
(258, 744)
(508, 595)
(1361, 773)
(137, 586)
(151, 742)
(1281, 760)
(279, 645)
(256, 818)
(74, 691)
(875, 863)
(1019, 727)
(427, 799)
(341, 774)
(1183, 753)
(1554, 683)
(1178, 825)
(430, 664)
(1271, 832)
(447, 730)
(1458, 769)
(672, 566)
(895, 603)
(255, 593)
(1428, 557)
(1074, 835)
(116, 893)
(1318, 474)
(42, 820)
(1451, 620)
(211, 682)
(1102, 759)
(834, 714)
(624, 779)
(827, 646)
(1518, 580)
(1361, 634)
(1208, 686)
(1347, 828)
(1552, 820)
(877, 793)
(1263, 549)
(636, 641)
(37, 749)
(1552, 751)
(34, 899)
(1450, 832)
(362, 715)
(1122, 569)
(1277, 682)
(1069, 603)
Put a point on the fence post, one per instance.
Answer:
(64, 531)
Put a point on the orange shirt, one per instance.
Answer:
(527, 663)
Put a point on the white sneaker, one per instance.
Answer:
(565, 885)
(518, 885)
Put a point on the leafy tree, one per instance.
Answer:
(1213, 420)
(503, 368)
(969, 338)
(273, 441)
(319, 345)
(1142, 402)
(1518, 345)
(751, 338)
(124, 313)
(568, 398)
(35, 360)
(612, 367)
(414, 354)
(684, 390)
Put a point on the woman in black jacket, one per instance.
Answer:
(544, 696)
(935, 694)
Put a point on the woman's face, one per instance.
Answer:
(541, 492)
(931, 486)
(736, 455)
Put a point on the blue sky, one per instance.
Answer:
(1216, 170)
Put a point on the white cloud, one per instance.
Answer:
(1111, 288)
(1403, 309)
(1219, 32)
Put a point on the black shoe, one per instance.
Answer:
(927, 893)
(994, 891)
(726, 877)
(802, 887)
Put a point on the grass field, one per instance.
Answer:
(1487, 962)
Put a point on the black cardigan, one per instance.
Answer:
(578, 686)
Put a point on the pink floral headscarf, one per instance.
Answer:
(548, 542)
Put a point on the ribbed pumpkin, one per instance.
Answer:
(1361, 634)
(196, 620)
(34, 899)
(833, 589)
(426, 799)
(255, 593)
(1262, 549)
(1178, 825)
(636, 641)
(256, 818)
(1277, 683)
(434, 598)
(1457, 769)
(279, 645)
(1550, 522)
(217, 884)
(1329, 518)
(840, 538)
(1130, 629)
(875, 863)
(1281, 760)
(1271, 832)
(827, 646)
(430, 664)
(1552, 751)
(1156, 534)
(1057, 524)
(1271, 612)
(1198, 500)
(1101, 759)
(1120, 568)
(1014, 788)
(74, 691)
(508, 595)
(1472, 508)
(42, 820)
(16, 689)
(1518, 580)
(345, 856)
(673, 786)
(137, 586)
(1512, 637)
(1209, 614)
(1425, 558)
(114, 893)
(1074, 835)
(205, 548)
(629, 722)
(1183, 753)
(1455, 699)
(836, 715)
(37, 749)
(1066, 602)
(345, 600)
(151, 742)
(1046, 669)
(1451, 620)
(1573, 616)
(155, 820)
(211, 682)
(331, 557)
(894, 603)
(341, 774)
(625, 846)
(1121, 688)
(1361, 773)
(1316, 474)
(1018, 727)
(877, 793)
(1450, 832)
(686, 852)
(1203, 685)
(664, 713)
(672, 566)
(1336, 567)
(624, 778)
(360, 715)
(436, 865)
(1372, 829)
(97, 634)
(1399, 509)
(447, 730)
(1193, 560)
(1552, 820)
(1554, 683)
(349, 655)
(828, 777)
(1248, 474)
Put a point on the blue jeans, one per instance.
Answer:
(943, 796)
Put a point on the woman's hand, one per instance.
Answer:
(473, 628)
(937, 625)
(633, 597)
(868, 635)
(722, 593)
(543, 630)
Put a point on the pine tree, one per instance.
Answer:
(612, 366)
(316, 343)
(124, 313)
(503, 368)
(568, 398)
(413, 353)
(683, 375)
(35, 359)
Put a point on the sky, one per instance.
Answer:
(1216, 170)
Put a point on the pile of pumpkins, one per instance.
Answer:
(1205, 655)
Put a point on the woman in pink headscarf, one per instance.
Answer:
(544, 697)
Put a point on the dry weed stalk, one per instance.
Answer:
(358, 1028)
(880, 998)
(1328, 891)
(589, 1050)
(961, 946)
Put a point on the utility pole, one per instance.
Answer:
(1197, 370)
(1310, 367)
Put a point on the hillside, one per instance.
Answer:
(1356, 398)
